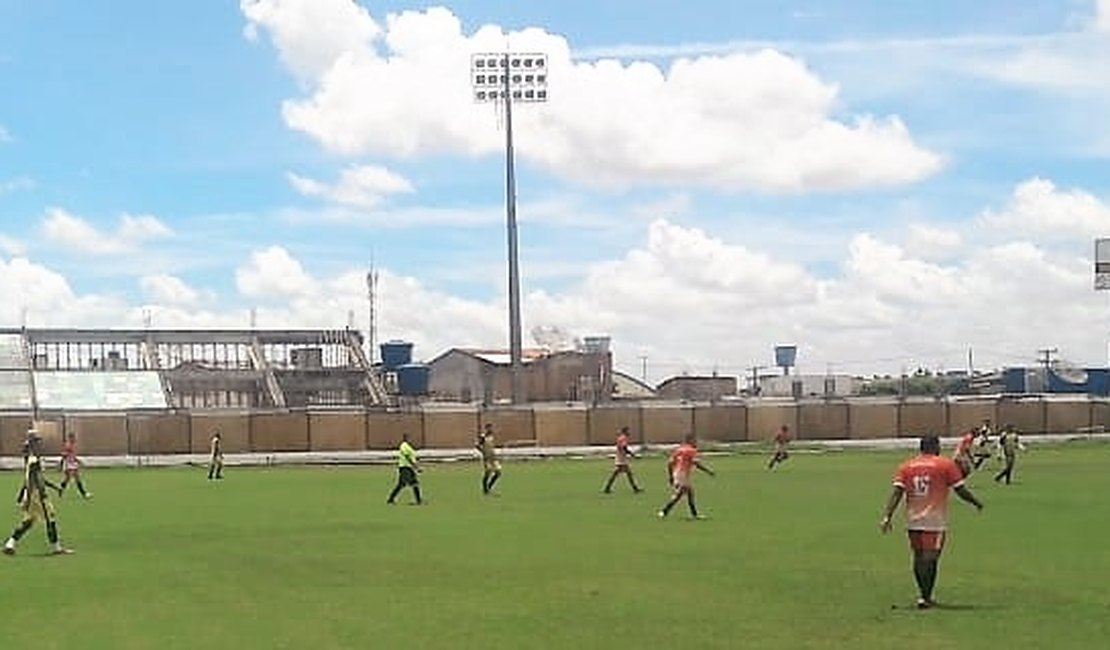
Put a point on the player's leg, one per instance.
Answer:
(927, 546)
(631, 479)
(690, 503)
(81, 486)
(397, 488)
(612, 477)
(415, 483)
(493, 478)
(64, 483)
(18, 533)
(679, 492)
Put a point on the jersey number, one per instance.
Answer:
(921, 485)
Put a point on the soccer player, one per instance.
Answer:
(215, 458)
(621, 464)
(407, 469)
(34, 503)
(781, 439)
(924, 480)
(963, 455)
(680, 468)
(491, 467)
(1010, 445)
(983, 443)
(71, 467)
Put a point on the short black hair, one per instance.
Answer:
(930, 444)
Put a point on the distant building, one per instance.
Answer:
(475, 375)
(697, 388)
(800, 386)
(625, 386)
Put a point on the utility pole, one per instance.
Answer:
(643, 367)
(372, 295)
(1046, 357)
(753, 380)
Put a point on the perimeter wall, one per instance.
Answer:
(446, 427)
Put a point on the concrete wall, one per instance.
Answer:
(99, 435)
(1067, 417)
(384, 430)
(721, 423)
(666, 424)
(970, 414)
(13, 431)
(921, 417)
(156, 434)
(511, 426)
(869, 420)
(1026, 415)
(606, 421)
(565, 427)
(822, 420)
(766, 418)
(279, 432)
(1100, 415)
(455, 429)
(235, 432)
(336, 431)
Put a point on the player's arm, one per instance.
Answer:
(966, 494)
(891, 504)
(703, 467)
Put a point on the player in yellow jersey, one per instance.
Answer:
(215, 458)
(491, 466)
(34, 502)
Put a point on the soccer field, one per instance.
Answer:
(314, 558)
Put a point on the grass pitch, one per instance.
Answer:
(314, 558)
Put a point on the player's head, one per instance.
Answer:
(624, 430)
(216, 434)
(930, 444)
(785, 428)
(72, 437)
(404, 437)
(691, 438)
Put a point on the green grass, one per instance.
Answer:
(313, 558)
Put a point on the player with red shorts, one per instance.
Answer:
(680, 469)
(924, 480)
(71, 467)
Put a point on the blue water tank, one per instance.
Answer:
(1014, 380)
(396, 354)
(412, 379)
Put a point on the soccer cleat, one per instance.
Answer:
(661, 514)
(924, 603)
(9, 550)
(61, 550)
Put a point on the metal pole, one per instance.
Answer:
(514, 266)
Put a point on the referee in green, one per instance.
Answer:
(407, 468)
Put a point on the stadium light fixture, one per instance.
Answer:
(506, 78)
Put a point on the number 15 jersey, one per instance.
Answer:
(926, 479)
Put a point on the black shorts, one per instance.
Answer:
(406, 476)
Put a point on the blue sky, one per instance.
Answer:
(885, 184)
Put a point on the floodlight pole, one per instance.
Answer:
(515, 351)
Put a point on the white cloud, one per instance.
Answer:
(273, 274)
(1101, 20)
(12, 246)
(15, 184)
(165, 289)
(358, 187)
(931, 242)
(1039, 207)
(73, 232)
(742, 120)
(5, 135)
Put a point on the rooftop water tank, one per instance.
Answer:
(412, 379)
(396, 354)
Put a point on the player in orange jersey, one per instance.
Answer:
(781, 439)
(925, 480)
(71, 467)
(621, 464)
(963, 455)
(680, 469)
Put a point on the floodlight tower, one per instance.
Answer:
(505, 78)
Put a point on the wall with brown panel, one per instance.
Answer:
(99, 435)
(279, 432)
(869, 420)
(158, 434)
(384, 429)
(511, 426)
(235, 430)
(917, 418)
(452, 429)
(1067, 417)
(605, 423)
(964, 415)
(336, 431)
(822, 420)
(666, 424)
(1027, 415)
(562, 427)
(13, 431)
(721, 423)
(766, 418)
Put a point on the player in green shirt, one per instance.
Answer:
(407, 469)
